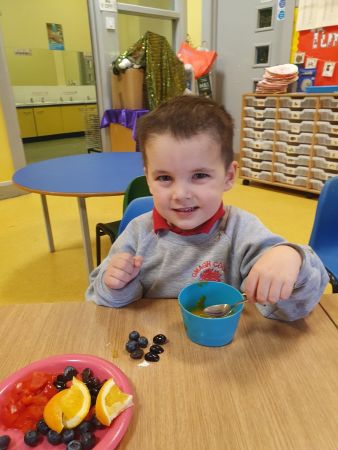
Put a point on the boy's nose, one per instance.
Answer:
(181, 191)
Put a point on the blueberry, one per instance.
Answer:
(69, 372)
(134, 335)
(86, 375)
(87, 440)
(53, 437)
(74, 445)
(60, 385)
(42, 427)
(93, 382)
(156, 349)
(97, 425)
(159, 339)
(142, 342)
(131, 346)
(137, 354)
(67, 436)
(153, 357)
(85, 427)
(4, 442)
(31, 438)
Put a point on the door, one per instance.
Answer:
(248, 38)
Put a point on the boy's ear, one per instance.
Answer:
(230, 176)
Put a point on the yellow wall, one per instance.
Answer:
(194, 25)
(6, 164)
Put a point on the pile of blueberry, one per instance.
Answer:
(80, 438)
(137, 343)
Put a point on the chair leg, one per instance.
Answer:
(98, 247)
(333, 282)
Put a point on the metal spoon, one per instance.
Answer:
(221, 310)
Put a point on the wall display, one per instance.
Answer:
(311, 63)
(322, 46)
(316, 14)
(55, 36)
(328, 69)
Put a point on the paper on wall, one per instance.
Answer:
(316, 14)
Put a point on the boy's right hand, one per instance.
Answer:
(122, 268)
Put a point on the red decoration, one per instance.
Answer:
(323, 45)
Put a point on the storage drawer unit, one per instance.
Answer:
(289, 139)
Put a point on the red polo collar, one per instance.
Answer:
(160, 223)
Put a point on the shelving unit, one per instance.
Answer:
(289, 140)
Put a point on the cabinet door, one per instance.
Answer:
(48, 120)
(73, 118)
(26, 122)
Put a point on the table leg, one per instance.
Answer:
(85, 233)
(47, 223)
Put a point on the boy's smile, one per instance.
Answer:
(187, 178)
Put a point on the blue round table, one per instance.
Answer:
(81, 176)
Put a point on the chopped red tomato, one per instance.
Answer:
(24, 404)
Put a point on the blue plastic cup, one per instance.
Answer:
(211, 332)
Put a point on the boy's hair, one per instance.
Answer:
(184, 117)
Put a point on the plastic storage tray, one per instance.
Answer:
(295, 127)
(295, 181)
(324, 139)
(262, 155)
(327, 114)
(300, 160)
(261, 102)
(305, 114)
(302, 138)
(291, 170)
(319, 150)
(291, 102)
(301, 149)
(323, 163)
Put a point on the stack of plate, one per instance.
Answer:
(276, 79)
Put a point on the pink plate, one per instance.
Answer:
(108, 438)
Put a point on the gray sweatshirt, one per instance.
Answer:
(226, 253)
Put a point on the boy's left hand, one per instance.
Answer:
(274, 275)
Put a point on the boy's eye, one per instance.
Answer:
(200, 175)
(163, 178)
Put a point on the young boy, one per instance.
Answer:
(190, 236)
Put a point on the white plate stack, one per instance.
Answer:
(277, 78)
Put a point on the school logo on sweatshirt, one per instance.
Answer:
(209, 271)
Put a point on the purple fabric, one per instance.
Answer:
(124, 117)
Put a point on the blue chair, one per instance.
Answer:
(135, 208)
(138, 187)
(324, 235)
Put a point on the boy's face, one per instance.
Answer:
(187, 178)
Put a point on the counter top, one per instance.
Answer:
(65, 103)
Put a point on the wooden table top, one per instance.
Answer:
(329, 303)
(274, 387)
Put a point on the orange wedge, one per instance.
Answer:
(68, 408)
(110, 402)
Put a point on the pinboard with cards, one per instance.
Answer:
(289, 140)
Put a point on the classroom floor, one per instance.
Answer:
(54, 148)
(30, 273)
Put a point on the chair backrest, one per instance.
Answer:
(138, 187)
(135, 208)
(324, 233)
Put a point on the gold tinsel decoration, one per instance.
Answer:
(164, 72)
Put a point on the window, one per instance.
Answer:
(264, 19)
(262, 54)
